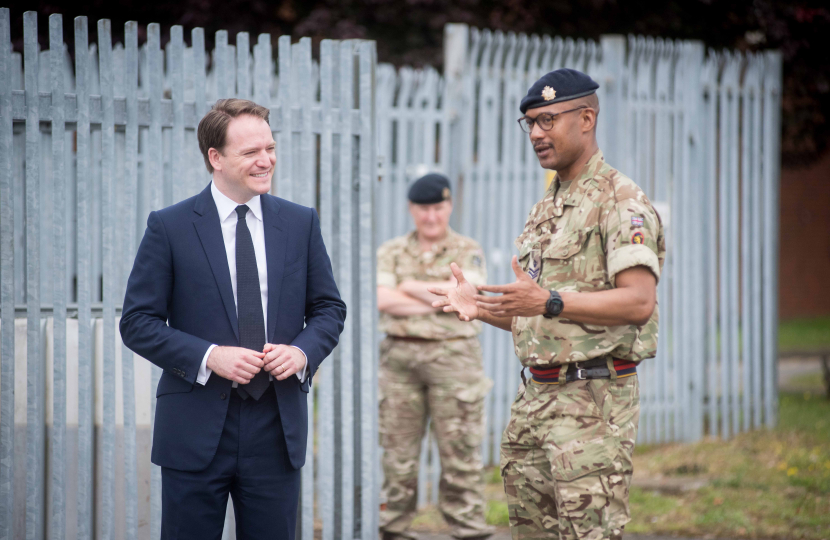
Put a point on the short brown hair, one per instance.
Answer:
(213, 128)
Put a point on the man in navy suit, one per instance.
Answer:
(232, 295)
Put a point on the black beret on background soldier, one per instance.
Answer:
(430, 367)
(583, 314)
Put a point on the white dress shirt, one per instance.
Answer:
(253, 218)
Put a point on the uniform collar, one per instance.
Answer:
(226, 206)
(576, 191)
(414, 246)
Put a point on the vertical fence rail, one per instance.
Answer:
(57, 461)
(129, 247)
(771, 180)
(345, 444)
(84, 295)
(367, 302)
(35, 485)
(7, 285)
(328, 202)
(108, 218)
(154, 178)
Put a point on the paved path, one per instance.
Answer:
(793, 368)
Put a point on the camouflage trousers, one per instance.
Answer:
(566, 458)
(443, 381)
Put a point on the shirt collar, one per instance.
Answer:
(415, 247)
(225, 206)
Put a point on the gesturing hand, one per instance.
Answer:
(235, 363)
(522, 298)
(461, 299)
(282, 361)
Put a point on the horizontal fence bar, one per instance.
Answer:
(190, 120)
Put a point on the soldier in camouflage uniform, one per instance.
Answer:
(583, 314)
(430, 366)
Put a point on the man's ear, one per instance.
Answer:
(213, 156)
(589, 120)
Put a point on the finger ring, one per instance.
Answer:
(282, 370)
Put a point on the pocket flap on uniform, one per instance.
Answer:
(474, 392)
(592, 456)
(524, 251)
(565, 245)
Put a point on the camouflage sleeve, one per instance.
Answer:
(631, 233)
(386, 268)
(474, 265)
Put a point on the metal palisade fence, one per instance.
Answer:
(88, 147)
(697, 130)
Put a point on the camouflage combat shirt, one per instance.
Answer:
(578, 241)
(401, 259)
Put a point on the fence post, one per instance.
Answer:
(456, 40)
(57, 461)
(153, 174)
(35, 444)
(692, 60)
(7, 285)
(771, 180)
(610, 95)
(368, 364)
(326, 464)
(130, 233)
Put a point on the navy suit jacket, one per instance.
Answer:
(179, 301)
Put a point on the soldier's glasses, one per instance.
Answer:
(545, 120)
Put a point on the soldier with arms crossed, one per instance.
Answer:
(583, 314)
(430, 367)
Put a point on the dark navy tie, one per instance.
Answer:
(249, 303)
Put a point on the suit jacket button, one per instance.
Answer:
(222, 395)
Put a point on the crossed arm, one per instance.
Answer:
(410, 297)
(631, 302)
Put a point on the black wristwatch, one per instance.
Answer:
(554, 305)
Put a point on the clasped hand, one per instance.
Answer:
(241, 365)
(522, 298)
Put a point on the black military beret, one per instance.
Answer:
(430, 189)
(560, 85)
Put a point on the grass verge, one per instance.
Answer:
(764, 484)
(804, 335)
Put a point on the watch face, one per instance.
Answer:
(554, 304)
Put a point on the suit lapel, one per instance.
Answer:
(210, 234)
(276, 243)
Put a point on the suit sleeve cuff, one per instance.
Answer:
(204, 371)
(302, 373)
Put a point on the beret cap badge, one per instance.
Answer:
(431, 188)
(556, 87)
